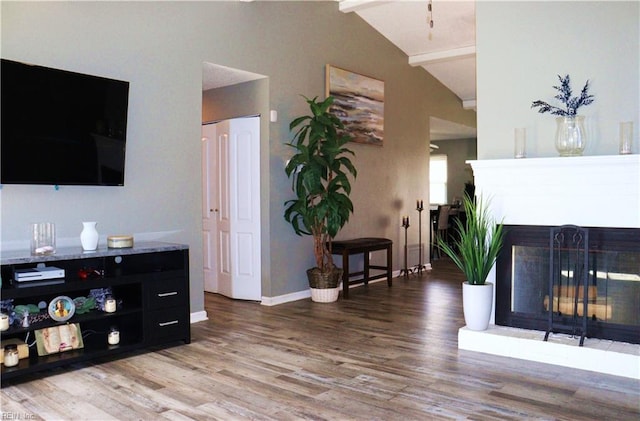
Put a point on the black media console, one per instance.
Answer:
(150, 283)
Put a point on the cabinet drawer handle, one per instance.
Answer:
(163, 324)
(167, 294)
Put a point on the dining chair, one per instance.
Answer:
(443, 226)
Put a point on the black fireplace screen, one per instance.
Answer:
(613, 303)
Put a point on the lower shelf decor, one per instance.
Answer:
(61, 308)
(52, 340)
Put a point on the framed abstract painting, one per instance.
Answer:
(358, 102)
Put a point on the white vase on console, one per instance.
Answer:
(89, 236)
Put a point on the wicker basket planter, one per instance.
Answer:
(324, 285)
(324, 295)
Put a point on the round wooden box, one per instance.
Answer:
(119, 241)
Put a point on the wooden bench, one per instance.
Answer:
(364, 246)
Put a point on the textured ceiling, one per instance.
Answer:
(447, 50)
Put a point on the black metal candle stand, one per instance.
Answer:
(421, 266)
(405, 271)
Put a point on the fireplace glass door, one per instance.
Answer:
(613, 283)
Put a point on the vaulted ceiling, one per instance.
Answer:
(446, 48)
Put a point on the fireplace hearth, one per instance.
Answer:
(613, 284)
(587, 191)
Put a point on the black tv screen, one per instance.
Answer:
(60, 127)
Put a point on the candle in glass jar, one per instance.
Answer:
(4, 322)
(110, 305)
(11, 356)
(114, 337)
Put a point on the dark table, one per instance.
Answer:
(364, 246)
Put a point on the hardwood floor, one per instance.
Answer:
(384, 354)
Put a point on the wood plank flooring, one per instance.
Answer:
(384, 354)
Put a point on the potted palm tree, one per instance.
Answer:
(319, 171)
(475, 251)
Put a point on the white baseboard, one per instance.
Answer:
(598, 355)
(295, 296)
(281, 299)
(301, 295)
(198, 316)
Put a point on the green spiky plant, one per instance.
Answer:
(319, 171)
(479, 241)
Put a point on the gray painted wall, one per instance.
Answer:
(522, 46)
(160, 47)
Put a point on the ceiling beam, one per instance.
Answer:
(469, 104)
(441, 56)
(347, 6)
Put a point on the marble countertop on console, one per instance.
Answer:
(12, 257)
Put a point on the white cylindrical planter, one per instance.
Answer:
(89, 236)
(477, 302)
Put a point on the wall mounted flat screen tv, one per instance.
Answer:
(60, 127)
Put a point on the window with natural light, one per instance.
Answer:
(438, 179)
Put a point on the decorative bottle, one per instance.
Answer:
(89, 236)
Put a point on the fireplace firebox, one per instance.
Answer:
(613, 283)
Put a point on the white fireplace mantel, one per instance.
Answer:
(589, 191)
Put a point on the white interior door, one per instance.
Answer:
(244, 177)
(217, 273)
(208, 223)
(231, 208)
